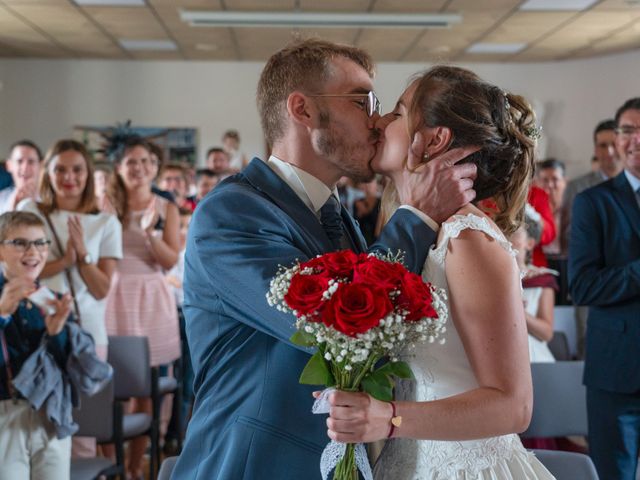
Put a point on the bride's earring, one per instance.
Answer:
(425, 157)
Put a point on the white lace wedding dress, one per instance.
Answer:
(442, 371)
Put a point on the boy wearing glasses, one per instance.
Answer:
(29, 447)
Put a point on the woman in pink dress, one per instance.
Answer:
(140, 302)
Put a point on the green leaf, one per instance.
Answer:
(398, 369)
(303, 339)
(378, 386)
(316, 371)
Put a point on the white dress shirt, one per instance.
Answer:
(314, 193)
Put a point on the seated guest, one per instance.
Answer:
(23, 164)
(37, 338)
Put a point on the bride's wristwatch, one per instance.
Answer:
(396, 420)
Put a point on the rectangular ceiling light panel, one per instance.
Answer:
(316, 19)
(156, 45)
(505, 48)
(556, 5)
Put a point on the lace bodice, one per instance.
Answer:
(442, 371)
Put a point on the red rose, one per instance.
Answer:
(340, 264)
(415, 296)
(386, 275)
(356, 308)
(305, 293)
(317, 264)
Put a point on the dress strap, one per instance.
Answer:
(458, 223)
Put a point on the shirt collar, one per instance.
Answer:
(633, 180)
(312, 191)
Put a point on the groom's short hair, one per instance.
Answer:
(302, 65)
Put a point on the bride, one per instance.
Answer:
(459, 418)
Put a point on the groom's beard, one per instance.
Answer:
(348, 154)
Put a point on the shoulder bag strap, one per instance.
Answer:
(67, 272)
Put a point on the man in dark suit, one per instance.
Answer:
(604, 273)
(251, 417)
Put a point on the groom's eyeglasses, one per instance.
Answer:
(370, 102)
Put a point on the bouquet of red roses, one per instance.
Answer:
(356, 310)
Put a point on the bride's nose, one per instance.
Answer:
(382, 122)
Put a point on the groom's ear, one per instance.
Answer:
(299, 108)
(437, 140)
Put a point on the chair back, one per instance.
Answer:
(564, 320)
(567, 465)
(130, 359)
(559, 400)
(559, 346)
(167, 468)
(94, 415)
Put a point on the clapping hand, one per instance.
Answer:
(76, 237)
(55, 322)
(15, 290)
(150, 217)
(28, 190)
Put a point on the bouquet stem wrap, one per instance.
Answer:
(346, 459)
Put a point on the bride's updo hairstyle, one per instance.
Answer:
(500, 123)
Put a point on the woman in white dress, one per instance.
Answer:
(459, 418)
(538, 290)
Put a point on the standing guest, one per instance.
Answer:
(231, 145)
(87, 244)
(206, 180)
(538, 286)
(540, 202)
(367, 209)
(175, 278)
(140, 302)
(157, 162)
(609, 165)
(219, 161)
(23, 164)
(101, 179)
(604, 274)
(29, 446)
(172, 179)
(550, 176)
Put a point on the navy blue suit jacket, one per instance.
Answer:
(604, 273)
(251, 418)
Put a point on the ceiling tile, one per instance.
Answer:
(128, 22)
(387, 44)
(526, 26)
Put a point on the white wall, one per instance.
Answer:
(43, 99)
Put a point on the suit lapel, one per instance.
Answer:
(265, 180)
(626, 197)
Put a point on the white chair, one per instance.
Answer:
(567, 465)
(559, 400)
(167, 468)
(564, 320)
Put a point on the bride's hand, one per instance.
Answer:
(358, 418)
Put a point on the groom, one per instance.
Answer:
(251, 418)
